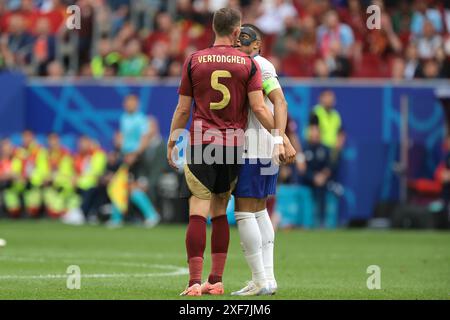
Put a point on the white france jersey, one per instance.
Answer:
(259, 141)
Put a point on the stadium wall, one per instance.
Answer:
(370, 112)
(12, 102)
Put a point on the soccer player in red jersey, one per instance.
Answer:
(220, 82)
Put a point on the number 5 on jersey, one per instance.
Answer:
(216, 85)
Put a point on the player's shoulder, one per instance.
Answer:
(201, 51)
(198, 53)
(226, 51)
(264, 63)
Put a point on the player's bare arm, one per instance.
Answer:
(179, 121)
(262, 113)
(256, 101)
(277, 98)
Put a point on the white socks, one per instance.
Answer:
(268, 238)
(251, 243)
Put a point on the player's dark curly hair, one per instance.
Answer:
(259, 33)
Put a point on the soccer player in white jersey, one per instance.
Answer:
(256, 181)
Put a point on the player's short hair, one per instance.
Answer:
(225, 20)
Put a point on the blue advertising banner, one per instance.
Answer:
(12, 102)
(370, 113)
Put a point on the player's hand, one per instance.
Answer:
(279, 154)
(290, 151)
(172, 156)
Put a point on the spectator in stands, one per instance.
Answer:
(338, 65)
(3, 13)
(151, 72)
(354, 15)
(401, 21)
(332, 135)
(106, 62)
(136, 136)
(318, 171)
(119, 15)
(125, 35)
(443, 57)
(174, 69)
(428, 69)
(55, 12)
(19, 41)
(304, 49)
(186, 10)
(44, 47)
(428, 42)
(26, 10)
(9, 170)
(58, 188)
(2, 62)
(384, 41)
(329, 121)
(85, 34)
(114, 163)
(89, 164)
(162, 32)
(55, 70)
(160, 58)
(321, 69)
(274, 15)
(134, 62)
(307, 38)
(331, 31)
(288, 40)
(398, 68)
(423, 12)
(34, 171)
(411, 61)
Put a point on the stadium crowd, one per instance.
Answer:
(151, 38)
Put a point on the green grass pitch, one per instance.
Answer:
(138, 263)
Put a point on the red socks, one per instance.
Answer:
(196, 243)
(195, 247)
(220, 239)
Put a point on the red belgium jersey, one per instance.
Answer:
(219, 78)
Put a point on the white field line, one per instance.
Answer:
(167, 270)
(77, 260)
(177, 272)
